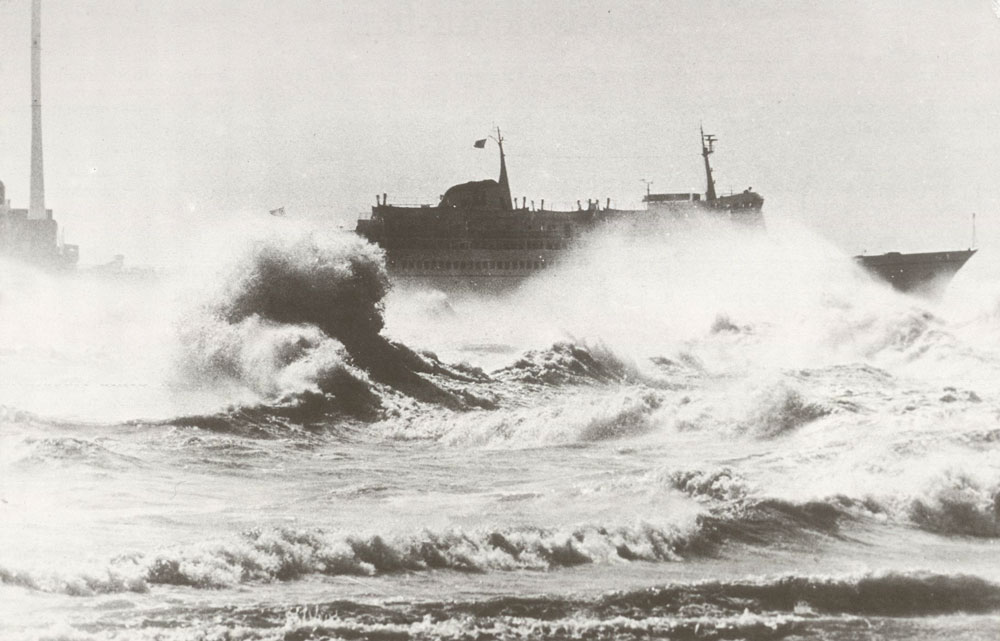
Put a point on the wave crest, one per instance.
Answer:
(337, 286)
(959, 505)
(287, 554)
(302, 317)
(570, 363)
(779, 410)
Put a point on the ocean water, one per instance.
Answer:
(713, 436)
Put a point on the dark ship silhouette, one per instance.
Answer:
(925, 272)
(479, 238)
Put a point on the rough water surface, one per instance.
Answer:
(732, 446)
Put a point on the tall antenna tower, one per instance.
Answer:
(36, 206)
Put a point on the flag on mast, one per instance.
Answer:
(479, 144)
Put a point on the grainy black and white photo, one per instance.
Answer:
(400, 320)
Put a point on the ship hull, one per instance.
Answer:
(926, 272)
(496, 271)
(482, 271)
(483, 251)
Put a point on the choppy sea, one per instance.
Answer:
(714, 437)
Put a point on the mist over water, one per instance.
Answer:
(712, 433)
(780, 300)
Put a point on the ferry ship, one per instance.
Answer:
(479, 238)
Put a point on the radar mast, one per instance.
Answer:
(707, 148)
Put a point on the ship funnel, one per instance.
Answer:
(36, 206)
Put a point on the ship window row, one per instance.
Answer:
(501, 244)
(518, 244)
(466, 265)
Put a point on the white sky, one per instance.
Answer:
(877, 123)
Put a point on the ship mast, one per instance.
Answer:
(707, 142)
(36, 206)
(504, 185)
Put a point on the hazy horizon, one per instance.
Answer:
(876, 124)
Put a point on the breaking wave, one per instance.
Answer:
(957, 504)
(301, 318)
(778, 410)
(570, 363)
(285, 554)
(789, 606)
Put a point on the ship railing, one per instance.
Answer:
(521, 204)
(409, 202)
(566, 205)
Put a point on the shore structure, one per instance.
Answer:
(32, 234)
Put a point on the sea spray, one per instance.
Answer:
(89, 347)
(705, 458)
(304, 313)
(793, 298)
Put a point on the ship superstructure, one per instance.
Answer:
(478, 236)
(742, 208)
